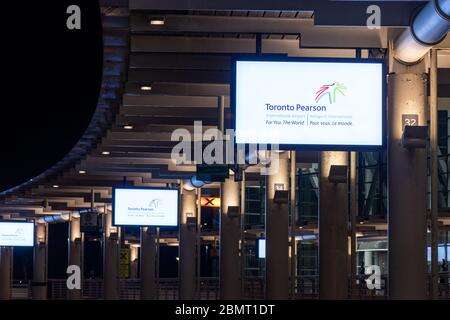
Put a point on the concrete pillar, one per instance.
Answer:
(39, 284)
(277, 226)
(353, 213)
(333, 230)
(148, 256)
(230, 234)
(293, 210)
(5, 273)
(434, 175)
(75, 252)
(134, 254)
(448, 158)
(407, 191)
(188, 243)
(110, 259)
(242, 235)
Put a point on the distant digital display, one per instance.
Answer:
(16, 234)
(332, 103)
(441, 253)
(145, 207)
(262, 248)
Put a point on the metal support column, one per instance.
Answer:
(277, 228)
(5, 272)
(75, 252)
(353, 212)
(230, 286)
(39, 284)
(148, 264)
(188, 241)
(293, 210)
(110, 259)
(333, 230)
(407, 189)
(434, 173)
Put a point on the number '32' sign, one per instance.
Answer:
(410, 120)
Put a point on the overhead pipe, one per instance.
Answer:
(58, 218)
(428, 28)
(193, 183)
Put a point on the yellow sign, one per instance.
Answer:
(212, 202)
(124, 263)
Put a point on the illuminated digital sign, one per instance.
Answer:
(16, 234)
(327, 104)
(145, 206)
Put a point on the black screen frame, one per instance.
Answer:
(313, 147)
(147, 225)
(24, 222)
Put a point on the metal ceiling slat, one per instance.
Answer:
(221, 24)
(190, 45)
(179, 61)
(188, 89)
(168, 100)
(197, 76)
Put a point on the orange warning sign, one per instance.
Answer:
(212, 202)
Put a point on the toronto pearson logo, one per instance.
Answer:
(330, 90)
(154, 204)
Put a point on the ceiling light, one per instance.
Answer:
(157, 22)
(55, 186)
(105, 153)
(146, 88)
(172, 244)
(128, 127)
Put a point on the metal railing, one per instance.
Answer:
(57, 289)
(168, 289)
(443, 285)
(21, 290)
(129, 289)
(254, 288)
(92, 289)
(307, 287)
(209, 288)
(360, 290)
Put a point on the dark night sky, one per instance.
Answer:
(53, 80)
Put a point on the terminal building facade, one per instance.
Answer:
(328, 224)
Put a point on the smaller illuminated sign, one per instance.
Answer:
(16, 234)
(211, 202)
(261, 248)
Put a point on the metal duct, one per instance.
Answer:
(429, 27)
(193, 183)
(58, 218)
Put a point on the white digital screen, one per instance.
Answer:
(310, 103)
(261, 248)
(16, 234)
(441, 253)
(145, 207)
